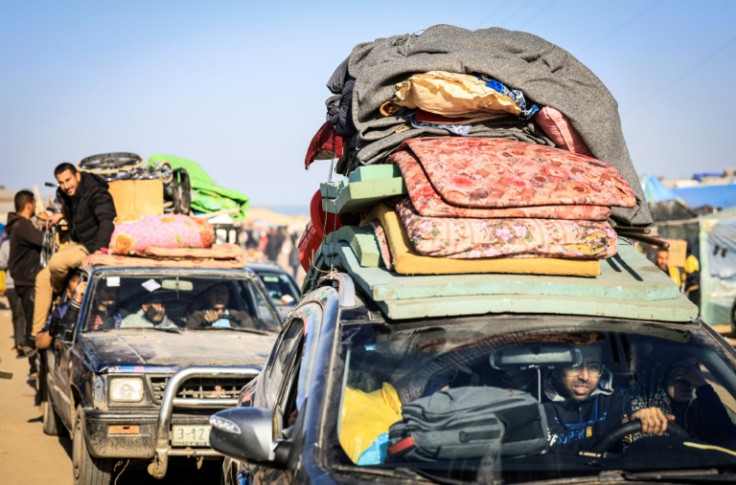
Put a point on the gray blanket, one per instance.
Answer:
(547, 74)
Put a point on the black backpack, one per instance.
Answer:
(467, 422)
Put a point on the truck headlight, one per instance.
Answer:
(126, 389)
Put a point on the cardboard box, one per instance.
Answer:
(136, 198)
(678, 252)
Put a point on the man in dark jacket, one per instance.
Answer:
(24, 261)
(584, 408)
(89, 211)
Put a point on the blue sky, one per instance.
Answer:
(239, 86)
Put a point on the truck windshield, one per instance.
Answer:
(191, 303)
(530, 399)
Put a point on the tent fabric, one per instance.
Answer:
(207, 195)
(547, 74)
(721, 196)
(656, 191)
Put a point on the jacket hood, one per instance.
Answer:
(93, 180)
(13, 219)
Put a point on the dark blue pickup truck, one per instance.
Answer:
(136, 391)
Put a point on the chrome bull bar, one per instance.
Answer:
(158, 467)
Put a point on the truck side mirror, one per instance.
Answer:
(246, 434)
(61, 328)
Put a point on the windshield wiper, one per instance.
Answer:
(167, 329)
(237, 329)
(694, 475)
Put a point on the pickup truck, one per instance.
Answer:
(132, 394)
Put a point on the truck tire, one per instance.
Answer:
(51, 424)
(87, 469)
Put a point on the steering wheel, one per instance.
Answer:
(634, 427)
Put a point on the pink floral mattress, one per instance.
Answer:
(465, 238)
(497, 173)
(164, 231)
(427, 201)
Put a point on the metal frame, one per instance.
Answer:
(158, 467)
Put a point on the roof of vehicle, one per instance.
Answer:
(261, 266)
(219, 256)
(629, 286)
(271, 267)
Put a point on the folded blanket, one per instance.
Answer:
(546, 73)
(427, 201)
(491, 238)
(492, 173)
(406, 261)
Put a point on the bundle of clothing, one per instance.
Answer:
(509, 147)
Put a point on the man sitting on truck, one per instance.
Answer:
(89, 211)
(583, 407)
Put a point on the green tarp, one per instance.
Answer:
(207, 195)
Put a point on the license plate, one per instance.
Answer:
(190, 435)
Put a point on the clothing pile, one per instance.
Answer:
(508, 150)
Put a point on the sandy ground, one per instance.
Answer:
(29, 457)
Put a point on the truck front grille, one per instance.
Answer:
(200, 387)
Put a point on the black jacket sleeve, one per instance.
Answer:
(104, 212)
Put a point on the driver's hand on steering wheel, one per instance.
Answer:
(653, 420)
(213, 314)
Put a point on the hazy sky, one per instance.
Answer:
(239, 86)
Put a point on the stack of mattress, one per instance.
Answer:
(457, 172)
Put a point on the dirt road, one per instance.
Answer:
(29, 457)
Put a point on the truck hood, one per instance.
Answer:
(201, 347)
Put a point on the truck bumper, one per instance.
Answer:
(146, 434)
(133, 435)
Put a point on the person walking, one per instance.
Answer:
(89, 211)
(294, 262)
(16, 311)
(24, 263)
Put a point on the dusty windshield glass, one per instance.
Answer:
(176, 303)
(553, 399)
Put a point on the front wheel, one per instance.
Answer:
(88, 470)
(50, 419)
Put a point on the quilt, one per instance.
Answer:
(492, 172)
(464, 238)
(405, 260)
(428, 202)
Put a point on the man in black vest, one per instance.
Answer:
(89, 211)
